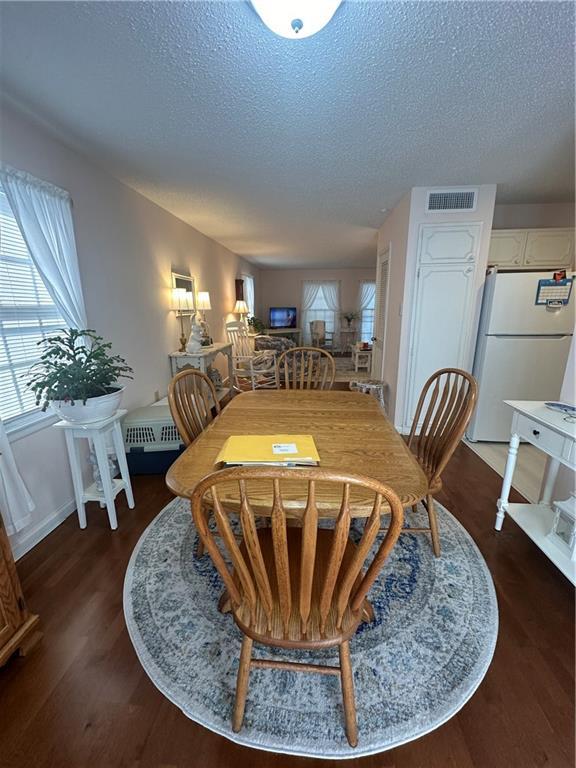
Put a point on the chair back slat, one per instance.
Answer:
(307, 368)
(191, 397)
(328, 582)
(254, 550)
(442, 415)
(240, 568)
(308, 554)
(371, 530)
(281, 558)
(341, 531)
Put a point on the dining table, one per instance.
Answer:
(352, 435)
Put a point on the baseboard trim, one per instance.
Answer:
(35, 535)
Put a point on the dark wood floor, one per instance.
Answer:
(81, 698)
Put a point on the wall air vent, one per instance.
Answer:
(451, 200)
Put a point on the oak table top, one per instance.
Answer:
(350, 431)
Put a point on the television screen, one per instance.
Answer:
(282, 317)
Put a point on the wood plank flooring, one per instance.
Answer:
(81, 699)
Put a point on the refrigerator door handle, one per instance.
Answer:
(529, 335)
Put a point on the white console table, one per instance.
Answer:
(202, 359)
(555, 434)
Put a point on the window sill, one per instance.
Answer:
(28, 423)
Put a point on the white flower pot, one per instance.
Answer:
(95, 409)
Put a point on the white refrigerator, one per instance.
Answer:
(521, 351)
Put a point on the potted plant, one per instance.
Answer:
(78, 377)
(350, 317)
(256, 325)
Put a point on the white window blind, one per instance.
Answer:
(27, 315)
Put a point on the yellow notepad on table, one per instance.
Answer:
(269, 450)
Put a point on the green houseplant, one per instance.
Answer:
(350, 317)
(77, 376)
(256, 324)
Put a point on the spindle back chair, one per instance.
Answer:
(191, 397)
(297, 587)
(306, 368)
(443, 411)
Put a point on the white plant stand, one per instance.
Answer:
(555, 434)
(97, 433)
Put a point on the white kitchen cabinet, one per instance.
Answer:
(445, 304)
(549, 248)
(507, 248)
(531, 248)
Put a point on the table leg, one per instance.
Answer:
(502, 502)
(77, 481)
(550, 481)
(122, 463)
(102, 459)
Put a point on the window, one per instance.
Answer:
(27, 315)
(368, 301)
(249, 293)
(320, 301)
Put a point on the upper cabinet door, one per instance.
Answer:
(507, 248)
(448, 243)
(549, 248)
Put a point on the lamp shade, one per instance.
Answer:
(241, 307)
(295, 18)
(182, 300)
(203, 300)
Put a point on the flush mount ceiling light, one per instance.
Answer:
(295, 18)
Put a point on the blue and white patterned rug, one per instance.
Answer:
(414, 667)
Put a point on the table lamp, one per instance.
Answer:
(182, 304)
(241, 308)
(202, 304)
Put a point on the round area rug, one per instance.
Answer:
(414, 667)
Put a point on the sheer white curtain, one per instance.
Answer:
(43, 213)
(309, 294)
(367, 296)
(331, 291)
(15, 502)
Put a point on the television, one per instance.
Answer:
(282, 317)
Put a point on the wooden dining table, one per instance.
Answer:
(351, 432)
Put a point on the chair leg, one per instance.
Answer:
(433, 525)
(348, 693)
(242, 683)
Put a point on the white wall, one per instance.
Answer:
(393, 235)
(533, 216)
(283, 287)
(127, 248)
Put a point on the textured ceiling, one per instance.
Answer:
(287, 151)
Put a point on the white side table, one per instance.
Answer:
(362, 358)
(97, 433)
(555, 434)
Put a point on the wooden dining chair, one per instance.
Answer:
(444, 409)
(306, 368)
(297, 587)
(191, 397)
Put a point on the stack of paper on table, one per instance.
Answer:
(269, 450)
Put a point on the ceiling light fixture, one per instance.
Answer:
(295, 18)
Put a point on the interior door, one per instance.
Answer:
(442, 325)
(380, 312)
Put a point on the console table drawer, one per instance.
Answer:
(543, 437)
